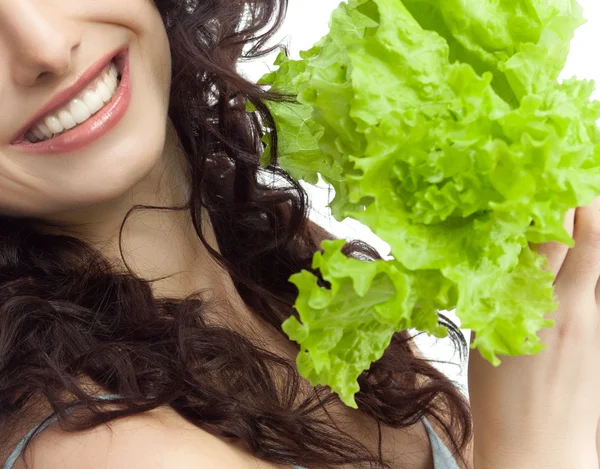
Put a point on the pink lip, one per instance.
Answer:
(97, 125)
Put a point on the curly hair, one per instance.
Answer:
(67, 313)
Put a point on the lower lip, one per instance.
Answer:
(96, 126)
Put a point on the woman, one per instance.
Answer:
(144, 267)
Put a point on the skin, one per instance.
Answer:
(43, 47)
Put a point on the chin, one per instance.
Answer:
(108, 179)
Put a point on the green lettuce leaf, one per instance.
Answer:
(443, 127)
(369, 300)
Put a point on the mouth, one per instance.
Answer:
(90, 106)
(83, 112)
(95, 96)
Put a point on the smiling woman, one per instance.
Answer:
(142, 259)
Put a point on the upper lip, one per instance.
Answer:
(64, 96)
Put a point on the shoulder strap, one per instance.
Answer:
(442, 458)
(16, 452)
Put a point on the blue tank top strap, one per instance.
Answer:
(16, 452)
(442, 458)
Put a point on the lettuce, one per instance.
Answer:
(443, 127)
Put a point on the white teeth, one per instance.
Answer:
(45, 130)
(79, 109)
(103, 91)
(93, 102)
(53, 124)
(111, 83)
(66, 119)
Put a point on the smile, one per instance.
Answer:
(95, 97)
(86, 111)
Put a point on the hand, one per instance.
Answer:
(542, 411)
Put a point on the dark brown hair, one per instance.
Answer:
(66, 313)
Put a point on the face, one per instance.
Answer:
(53, 56)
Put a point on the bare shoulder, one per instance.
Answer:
(159, 439)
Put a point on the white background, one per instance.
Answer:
(306, 22)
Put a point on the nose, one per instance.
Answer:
(37, 41)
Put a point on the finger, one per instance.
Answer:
(581, 267)
(554, 251)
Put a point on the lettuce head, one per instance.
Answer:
(442, 126)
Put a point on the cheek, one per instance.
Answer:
(153, 56)
(147, 25)
(143, 22)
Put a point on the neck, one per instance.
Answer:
(163, 244)
(155, 243)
